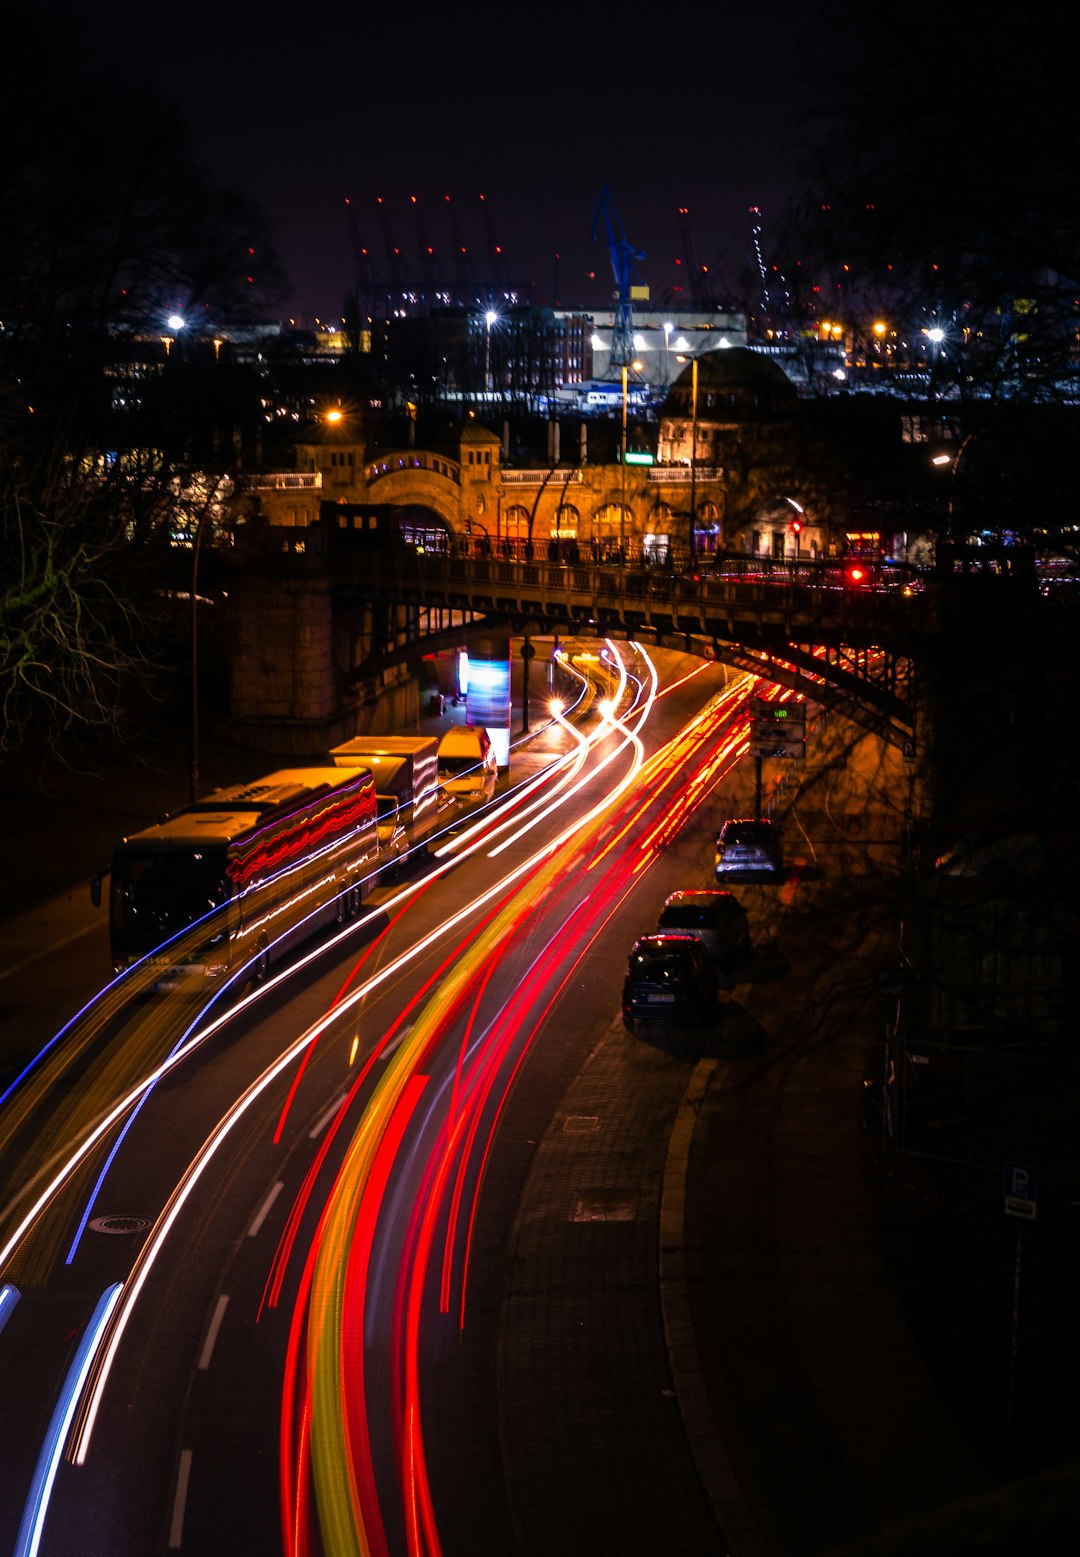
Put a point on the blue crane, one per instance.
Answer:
(624, 256)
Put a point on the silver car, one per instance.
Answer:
(745, 847)
(717, 919)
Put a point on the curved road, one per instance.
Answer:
(329, 1332)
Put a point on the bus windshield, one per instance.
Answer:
(155, 894)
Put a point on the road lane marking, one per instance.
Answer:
(395, 1042)
(264, 1209)
(212, 1332)
(324, 1119)
(176, 1527)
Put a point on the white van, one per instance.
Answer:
(467, 764)
(714, 917)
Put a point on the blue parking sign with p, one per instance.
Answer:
(1021, 1190)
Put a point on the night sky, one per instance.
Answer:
(534, 110)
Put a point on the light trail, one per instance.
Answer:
(473, 1094)
(473, 1085)
(154, 1244)
(32, 1524)
(122, 1064)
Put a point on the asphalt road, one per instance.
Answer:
(185, 1452)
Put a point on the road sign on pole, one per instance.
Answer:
(1021, 1191)
(777, 729)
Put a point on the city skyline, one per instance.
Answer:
(319, 131)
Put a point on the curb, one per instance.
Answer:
(734, 1515)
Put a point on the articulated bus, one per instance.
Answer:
(241, 876)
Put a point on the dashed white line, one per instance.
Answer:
(324, 1119)
(176, 1527)
(212, 1332)
(395, 1043)
(264, 1209)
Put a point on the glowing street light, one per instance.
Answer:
(797, 522)
(490, 318)
(626, 368)
(693, 455)
(941, 460)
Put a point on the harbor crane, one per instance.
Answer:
(624, 257)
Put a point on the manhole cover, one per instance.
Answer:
(580, 1124)
(601, 1206)
(120, 1224)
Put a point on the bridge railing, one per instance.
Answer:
(783, 602)
(675, 562)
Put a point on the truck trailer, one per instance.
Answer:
(411, 804)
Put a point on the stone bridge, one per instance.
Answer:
(325, 621)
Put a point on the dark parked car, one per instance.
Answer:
(745, 847)
(669, 976)
(717, 919)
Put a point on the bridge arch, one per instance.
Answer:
(435, 486)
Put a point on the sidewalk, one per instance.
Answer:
(812, 1414)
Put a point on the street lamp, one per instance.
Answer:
(693, 454)
(489, 319)
(203, 517)
(942, 460)
(626, 368)
(175, 323)
(796, 523)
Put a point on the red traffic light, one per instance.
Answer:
(856, 574)
(796, 526)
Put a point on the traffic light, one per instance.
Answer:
(796, 527)
(856, 573)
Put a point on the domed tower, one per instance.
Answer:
(735, 410)
(737, 389)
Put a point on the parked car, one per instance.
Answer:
(745, 847)
(669, 976)
(468, 767)
(716, 918)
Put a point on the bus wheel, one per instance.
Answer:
(262, 967)
(355, 901)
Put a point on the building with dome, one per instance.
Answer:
(736, 411)
(736, 457)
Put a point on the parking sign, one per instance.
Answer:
(1021, 1190)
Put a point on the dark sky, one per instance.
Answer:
(534, 109)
